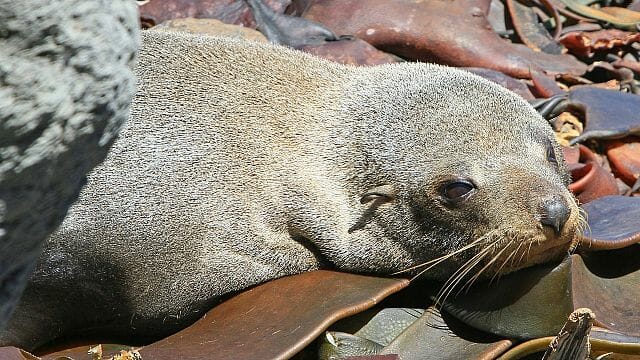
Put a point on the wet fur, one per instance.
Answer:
(244, 162)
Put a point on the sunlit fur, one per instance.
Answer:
(244, 162)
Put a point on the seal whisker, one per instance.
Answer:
(521, 255)
(460, 273)
(455, 281)
(511, 258)
(529, 250)
(445, 257)
(469, 282)
(441, 258)
(515, 252)
(582, 229)
(461, 270)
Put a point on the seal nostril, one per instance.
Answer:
(555, 214)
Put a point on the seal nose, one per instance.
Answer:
(555, 214)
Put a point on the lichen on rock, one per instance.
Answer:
(65, 90)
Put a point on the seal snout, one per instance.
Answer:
(555, 213)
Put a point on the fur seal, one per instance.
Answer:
(243, 162)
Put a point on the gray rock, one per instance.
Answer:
(65, 89)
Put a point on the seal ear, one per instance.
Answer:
(379, 195)
(383, 192)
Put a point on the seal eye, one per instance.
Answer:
(457, 191)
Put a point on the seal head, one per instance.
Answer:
(451, 160)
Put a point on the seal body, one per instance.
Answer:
(243, 162)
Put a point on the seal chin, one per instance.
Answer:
(547, 253)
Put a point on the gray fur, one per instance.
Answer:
(65, 90)
(243, 162)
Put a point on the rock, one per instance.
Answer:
(65, 89)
